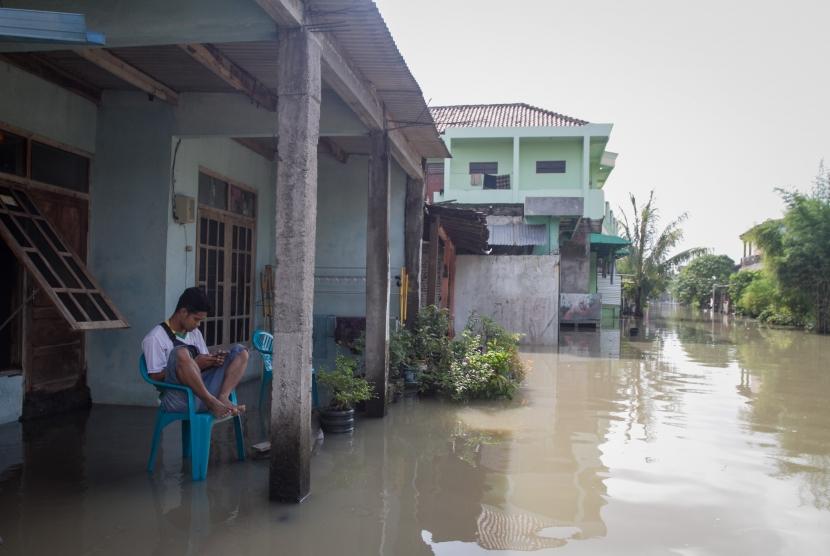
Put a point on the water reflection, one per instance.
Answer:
(694, 436)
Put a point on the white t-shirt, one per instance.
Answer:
(157, 347)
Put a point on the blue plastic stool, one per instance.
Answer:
(263, 342)
(196, 428)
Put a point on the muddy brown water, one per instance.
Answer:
(696, 437)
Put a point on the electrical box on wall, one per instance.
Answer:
(184, 209)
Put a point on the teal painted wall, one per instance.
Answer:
(37, 106)
(230, 159)
(128, 235)
(340, 257)
(536, 149)
(465, 151)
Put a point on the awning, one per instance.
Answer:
(608, 240)
(59, 272)
(33, 26)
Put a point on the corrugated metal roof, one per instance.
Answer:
(499, 115)
(360, 30)
(466, 228)
(518, 234)
(357, 28)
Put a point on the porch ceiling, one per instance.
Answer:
(357, 29)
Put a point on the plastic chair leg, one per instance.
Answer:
(315, 400)
(263, 386)
(200, 429)
(151, 463)
(240, 439)
(185, 439)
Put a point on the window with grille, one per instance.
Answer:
(58, 271)
(225, 263)
(550, 166)
(484, 168)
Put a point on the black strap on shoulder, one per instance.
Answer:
(171, 334)
(193, 350)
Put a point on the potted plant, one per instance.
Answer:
(345, 390)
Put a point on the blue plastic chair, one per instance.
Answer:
(263, 342)
(196, 428)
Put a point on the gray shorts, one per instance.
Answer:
(175, 400)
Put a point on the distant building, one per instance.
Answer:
(538, 176)
(753, 256)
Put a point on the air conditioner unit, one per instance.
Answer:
(184, 209)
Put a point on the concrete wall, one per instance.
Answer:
(576, 263)
(340, 257)
(130, 204)
(519, 292)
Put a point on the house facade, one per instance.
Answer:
(247, 149)
(539, 176)
(752, 256)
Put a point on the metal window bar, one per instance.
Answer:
(59, 272)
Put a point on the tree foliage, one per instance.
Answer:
(650, 262)
(797, 250)
(693, 286)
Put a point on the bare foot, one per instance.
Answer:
(218, 409)
(235, 409)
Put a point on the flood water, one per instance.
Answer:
(695, 437)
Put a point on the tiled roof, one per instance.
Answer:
(499, 115)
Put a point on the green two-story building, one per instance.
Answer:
(540, 177)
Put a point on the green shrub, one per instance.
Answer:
(431, 345)
(345, 388)
(400, 351)
(780, 316)
(739, 281)
(480, 363)
(758, 296)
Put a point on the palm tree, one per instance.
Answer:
(648, 261)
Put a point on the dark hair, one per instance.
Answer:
(193, 300)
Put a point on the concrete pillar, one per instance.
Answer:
(586, 169)
(377, 273)
(517, 160)
(447, 170)
(296, 223)
(432, 261)
(413, 237)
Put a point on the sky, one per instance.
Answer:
(714, 103)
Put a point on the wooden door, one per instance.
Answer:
(54, 364)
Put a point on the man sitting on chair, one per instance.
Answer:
(176, 353)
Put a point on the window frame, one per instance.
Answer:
(229, 218)
(555, 169)
(483, 164)
(26, 178)
(78, 271)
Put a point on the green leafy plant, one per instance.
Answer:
(480, 363)
(431, 346)
(345, 388)
(400, 351)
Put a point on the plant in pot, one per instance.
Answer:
(345, 390)
(400, 345)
